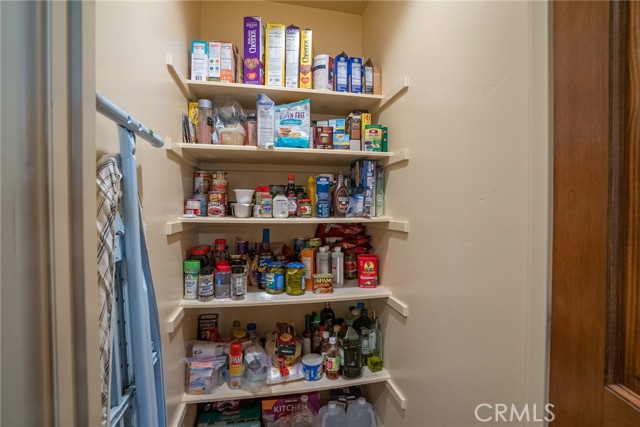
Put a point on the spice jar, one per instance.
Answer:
(191, 276)
(294, 283)
(251, 133)
(238, 282)
(204, 130)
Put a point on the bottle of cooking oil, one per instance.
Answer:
(374, 360)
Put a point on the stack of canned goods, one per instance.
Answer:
(209, 194)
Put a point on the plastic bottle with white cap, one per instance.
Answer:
(331, 415)
(337, 267)
(360, 414)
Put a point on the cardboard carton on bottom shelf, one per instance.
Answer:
(280, 407)
(234, 413)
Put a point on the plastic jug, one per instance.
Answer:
(331, 415)
(360, 414)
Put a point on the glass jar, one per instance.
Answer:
(205, 122)
(201, 253)
(294, 283)
(274, 278)
(305, 208)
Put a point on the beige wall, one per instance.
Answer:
(474, 266)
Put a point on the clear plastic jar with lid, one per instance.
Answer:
(205, 122)
(223, 281)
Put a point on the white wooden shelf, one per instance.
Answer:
(322, 101)
(198, 154)
(256, 297)
(183, 224)
(299, 386)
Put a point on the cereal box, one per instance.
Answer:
(213, 74)
(292, 56)
(227, 62)
(253, 50)
(377, 81)
(306, 59)
(354, 75)
(274, 409)
(368, 77)
(341, 73)
(199, 60)
(323, 72)
(274, 49)
(340, 137)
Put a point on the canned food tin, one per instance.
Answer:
(201, 182)
(217, 204)
(322, 283)
(220, 185)
(192, 207)
(315, 242)
(218, 175)
(203, 199)
(367, 271)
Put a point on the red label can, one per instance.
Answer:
(367, 271)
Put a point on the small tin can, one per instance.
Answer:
(367, 271)
(192, 207)
(204, 200)
(315, 242)
(201, 182)
(350, 266)
(322, 283)
(217, 205)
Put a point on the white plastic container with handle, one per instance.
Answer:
(360, 414)
(331, 415)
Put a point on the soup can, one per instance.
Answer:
(203, 199)
(367, 271)
(217, 204)
(201, 182)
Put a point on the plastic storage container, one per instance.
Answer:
(331, 415)
(360, 414)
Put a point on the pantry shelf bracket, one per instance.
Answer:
(393, 96)
(398, 306)
(400, 156)
(178, 79)
(174, 320)
(177, 226)
(173, 150)
(178, 420)
(397, 395)
(392, 225)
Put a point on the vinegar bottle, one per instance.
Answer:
(332, 360)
